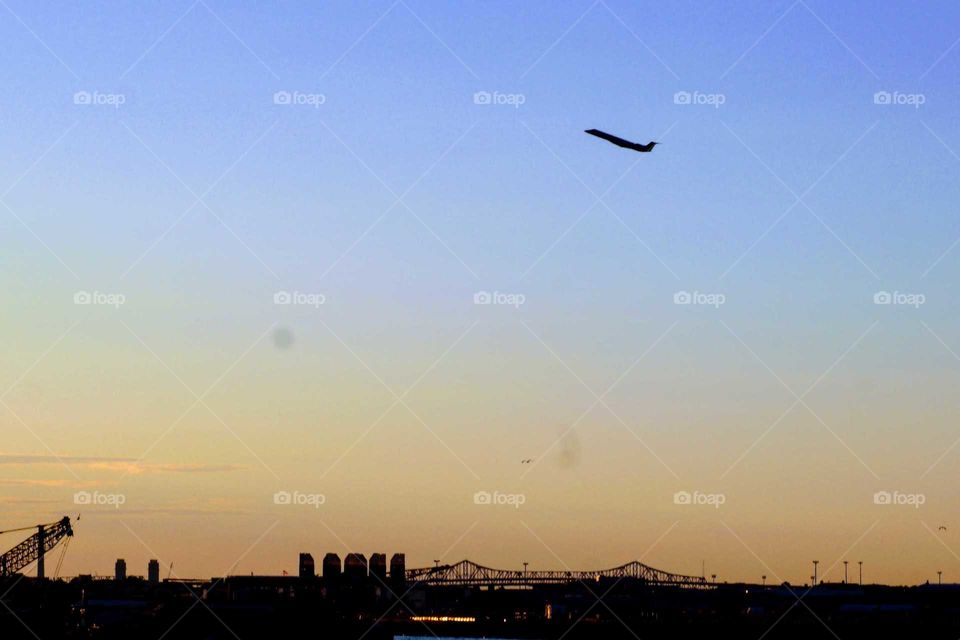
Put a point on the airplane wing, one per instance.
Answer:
(620, 142)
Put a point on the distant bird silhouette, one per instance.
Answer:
(942, 528)
(527, 461)
(620, 142)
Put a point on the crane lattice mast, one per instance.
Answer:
(35, 547)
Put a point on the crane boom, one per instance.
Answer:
(33, 548)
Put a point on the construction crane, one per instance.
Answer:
(35, 547)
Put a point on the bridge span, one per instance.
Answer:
(467, 573)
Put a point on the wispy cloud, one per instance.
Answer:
(12, 500)
(25, 459)
(129, 466)
(11, 482)
(137, 468)
(167, 511)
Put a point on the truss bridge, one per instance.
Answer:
(469, 574)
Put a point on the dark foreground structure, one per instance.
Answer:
(374, 604)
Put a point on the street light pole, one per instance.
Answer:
(815, 563)
(860, 562)
(844, 572)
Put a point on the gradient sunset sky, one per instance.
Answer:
(429, 152)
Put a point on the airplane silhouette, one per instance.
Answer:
(620, 142)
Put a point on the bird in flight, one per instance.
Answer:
(942, 528)
(620, 142)
(527, 461)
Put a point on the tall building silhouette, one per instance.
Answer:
(331, 567)
(120, 569)
(398, 569)
(355, 566)
(378, 566)
(307, 568)
(153, 571)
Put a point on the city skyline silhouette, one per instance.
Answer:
(351, 278)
